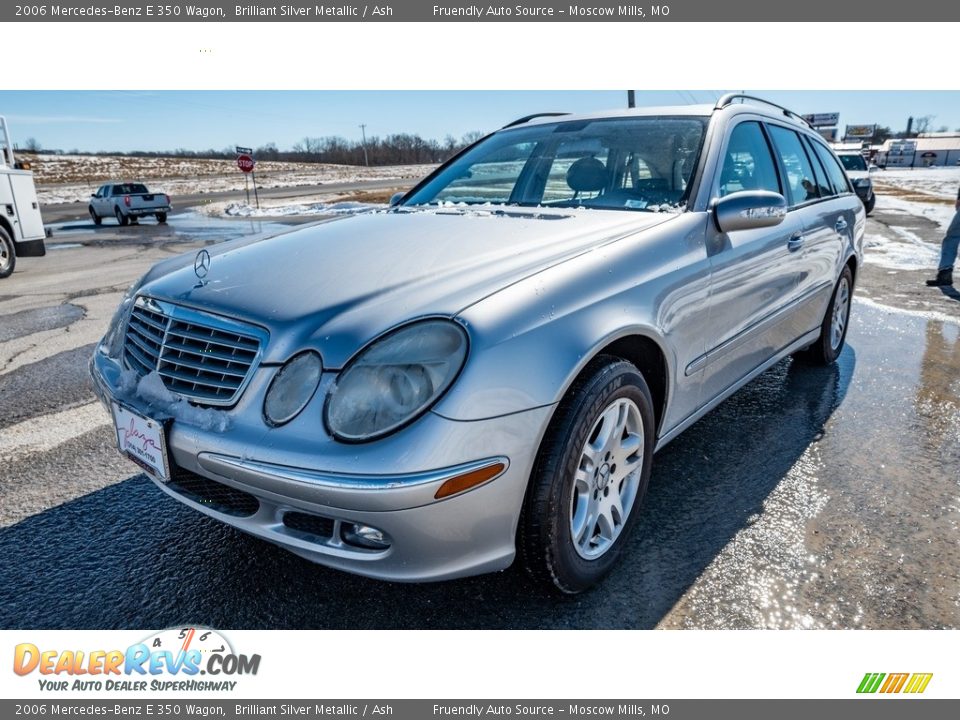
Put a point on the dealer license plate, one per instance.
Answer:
(142, 440)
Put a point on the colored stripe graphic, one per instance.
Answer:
(918, 683)
(895, 683)
(870, 682)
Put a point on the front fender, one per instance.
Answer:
(530, 341)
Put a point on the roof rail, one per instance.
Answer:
(730, 97)
(528, 118)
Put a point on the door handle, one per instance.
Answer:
(841, 225)
(795, 242)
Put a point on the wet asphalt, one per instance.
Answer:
(813, 498)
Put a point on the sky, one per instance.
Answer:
(197, 120)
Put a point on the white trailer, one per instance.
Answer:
(21, 225)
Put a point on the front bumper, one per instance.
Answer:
(865, 193)
(298, 488)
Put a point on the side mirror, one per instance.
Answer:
(396, 198)
(749, 210)
(93, 194)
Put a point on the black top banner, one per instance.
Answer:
(526, 11)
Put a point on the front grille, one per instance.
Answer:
(314, 526)
(219, 497)
(205, 358)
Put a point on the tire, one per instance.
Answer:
(571, 532)
(93, 216)
(121, 218)
(8, 254)
(833, 329)
(161, 218)
(869, 205)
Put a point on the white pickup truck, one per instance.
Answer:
(127, 201)
(21, 226)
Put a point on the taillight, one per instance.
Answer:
(126, 200)
(168, 199)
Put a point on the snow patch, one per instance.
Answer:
(940, 182)
(335, 208)
(911, 254)
(166, 404)
(924, 314)
(71, 178)
(127, 384)
(937, 212)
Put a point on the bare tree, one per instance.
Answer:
(923, 123)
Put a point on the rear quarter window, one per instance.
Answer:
(836, 174)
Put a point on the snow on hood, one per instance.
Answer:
(339, 284)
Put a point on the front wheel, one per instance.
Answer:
(869, 204)
(121, 218)
(93, 216)
(589, 478)
(161, 218)
(8, 254)
(833, 329)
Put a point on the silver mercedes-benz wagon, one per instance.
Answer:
(487, 367)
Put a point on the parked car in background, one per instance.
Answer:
(486, 369)
(859, 173)
(21, 225)
(127, 201)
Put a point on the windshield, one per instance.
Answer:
(853, 162)
(635, 163)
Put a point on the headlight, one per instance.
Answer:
(112, 343)
(395, 380)
(862, 182)
(292, 388)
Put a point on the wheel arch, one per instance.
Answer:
(650, 359)
(643, 351)
(852, 264)
(5, 224)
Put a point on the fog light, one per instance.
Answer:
(365, 536)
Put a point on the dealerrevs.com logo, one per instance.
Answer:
(179, 659)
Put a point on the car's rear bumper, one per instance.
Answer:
(247, 480)
(138, 212)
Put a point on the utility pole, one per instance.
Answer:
(363, 129)
(631, 99)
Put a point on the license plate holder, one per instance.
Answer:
(143, 440)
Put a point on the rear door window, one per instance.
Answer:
(801, 181)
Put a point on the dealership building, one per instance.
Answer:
(926, 150)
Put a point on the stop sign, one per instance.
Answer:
(245, 163)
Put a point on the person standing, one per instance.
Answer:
(948, 252)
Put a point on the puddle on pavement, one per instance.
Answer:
(189, 227)
(863, 529)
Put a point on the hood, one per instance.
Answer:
(335, 286)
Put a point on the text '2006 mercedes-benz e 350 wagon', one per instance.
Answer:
(487, 367)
